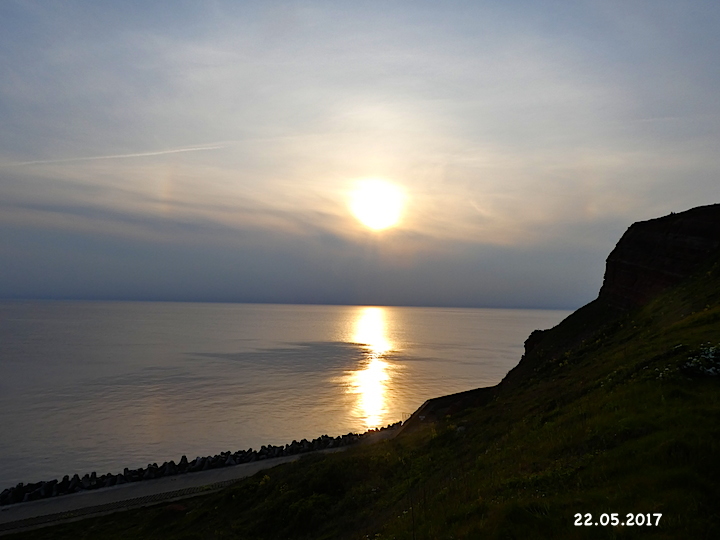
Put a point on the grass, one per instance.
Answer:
(609, 417)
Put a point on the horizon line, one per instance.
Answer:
(278, 303)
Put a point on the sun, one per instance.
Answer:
(377, 204)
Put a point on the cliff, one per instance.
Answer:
(656, 254)
(650, 257)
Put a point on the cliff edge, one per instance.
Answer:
(656, 254)
(649, 258)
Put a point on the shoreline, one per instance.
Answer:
(23, 493)
(85, 503)
(44, 512)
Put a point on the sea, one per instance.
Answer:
(100, 386)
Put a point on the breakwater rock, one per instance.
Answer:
(40, 490)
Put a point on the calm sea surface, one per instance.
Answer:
(98, 386)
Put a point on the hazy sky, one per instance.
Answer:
(207, 150)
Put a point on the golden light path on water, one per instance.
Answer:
(370, 382)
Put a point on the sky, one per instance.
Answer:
(209, 151)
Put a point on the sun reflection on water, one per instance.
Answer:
(371, 380)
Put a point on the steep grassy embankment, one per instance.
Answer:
(621, 420)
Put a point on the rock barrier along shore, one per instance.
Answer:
(55, 488)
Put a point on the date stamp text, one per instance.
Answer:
(617, 520)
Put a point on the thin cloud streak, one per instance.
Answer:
(121, 156)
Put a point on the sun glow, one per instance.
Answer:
(377, 204)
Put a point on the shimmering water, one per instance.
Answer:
(98, 386)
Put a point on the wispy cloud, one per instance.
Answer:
(122, 156)
(511, 128)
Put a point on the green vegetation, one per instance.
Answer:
(624, 420)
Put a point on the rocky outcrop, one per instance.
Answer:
(659, 253)
(437, 408)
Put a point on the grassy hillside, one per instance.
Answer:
(612, 414)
